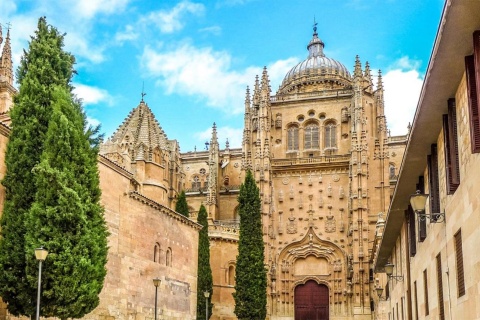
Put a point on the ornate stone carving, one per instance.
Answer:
(292, 225)
(330, 225)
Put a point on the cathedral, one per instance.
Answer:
(326, 167)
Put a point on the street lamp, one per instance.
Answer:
(379, 290)
(156, 283)
(418, 202)
(389, 271)
(207, 295)
(41, 255)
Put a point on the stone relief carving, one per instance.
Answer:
(329, 190)
(292, 225)
(330, 225)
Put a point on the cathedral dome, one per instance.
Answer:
(317, 67)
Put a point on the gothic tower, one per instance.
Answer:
(7, 91)
(318, 150)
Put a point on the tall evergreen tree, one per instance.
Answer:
(251, 277)
(205, 282)
(52, 190)
(181, 206)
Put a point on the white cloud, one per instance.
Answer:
(215, 30)
(90, 8)
(234, 136)
(207, 74)
(93, 122)
(92, 95)
(402, 90)
(128, 35)
(7, 7)
(407, 63)
(171, 21)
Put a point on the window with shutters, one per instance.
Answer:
(311, 136)
(330, 135)
(425, 289)
(422, 223)
(441, 308)
(415, 294)
(459, 263)
(433, 181)
(292, 138)
(472, 71)
(452, 164)
(412, 238)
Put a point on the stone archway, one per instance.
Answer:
(311, 301)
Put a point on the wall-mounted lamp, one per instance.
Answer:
(418, 202)
(389, 271)
(379, 293)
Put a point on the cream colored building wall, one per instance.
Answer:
(462, 211)
(136, 226)
(223, 256)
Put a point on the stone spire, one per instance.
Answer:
(139, 134)
(380, 81)
(213, 163)
(358, 68)
(368, 77)
(256, 92)
(247, 101)
(6, 67)
(265, 85)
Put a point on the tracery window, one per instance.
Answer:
(311, 136)
(196, 183)
(330, 135)
(292, 138)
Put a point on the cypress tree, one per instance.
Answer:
(52, 190)
(181, 206)
(205, 282)
(43, 67)
(250, 277)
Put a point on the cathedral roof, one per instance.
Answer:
(316, 65)
(140, 128)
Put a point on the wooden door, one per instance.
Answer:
(311, 301)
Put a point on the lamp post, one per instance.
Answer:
(156, 283)
(41, 255)
(207, 295)
(389, 271)
(418, 202)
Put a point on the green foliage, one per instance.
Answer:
(251, 277)
(52, 190)
(205, 282)
(181, 206)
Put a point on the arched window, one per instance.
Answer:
(330, 136)
(169, 257)
(292, 138)
(311, 136)
(156, 253)
(231, 275)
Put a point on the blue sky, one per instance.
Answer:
(195, 58)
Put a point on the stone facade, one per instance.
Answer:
(325, 165)
(436, 257)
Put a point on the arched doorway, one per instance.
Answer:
(311, 301)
